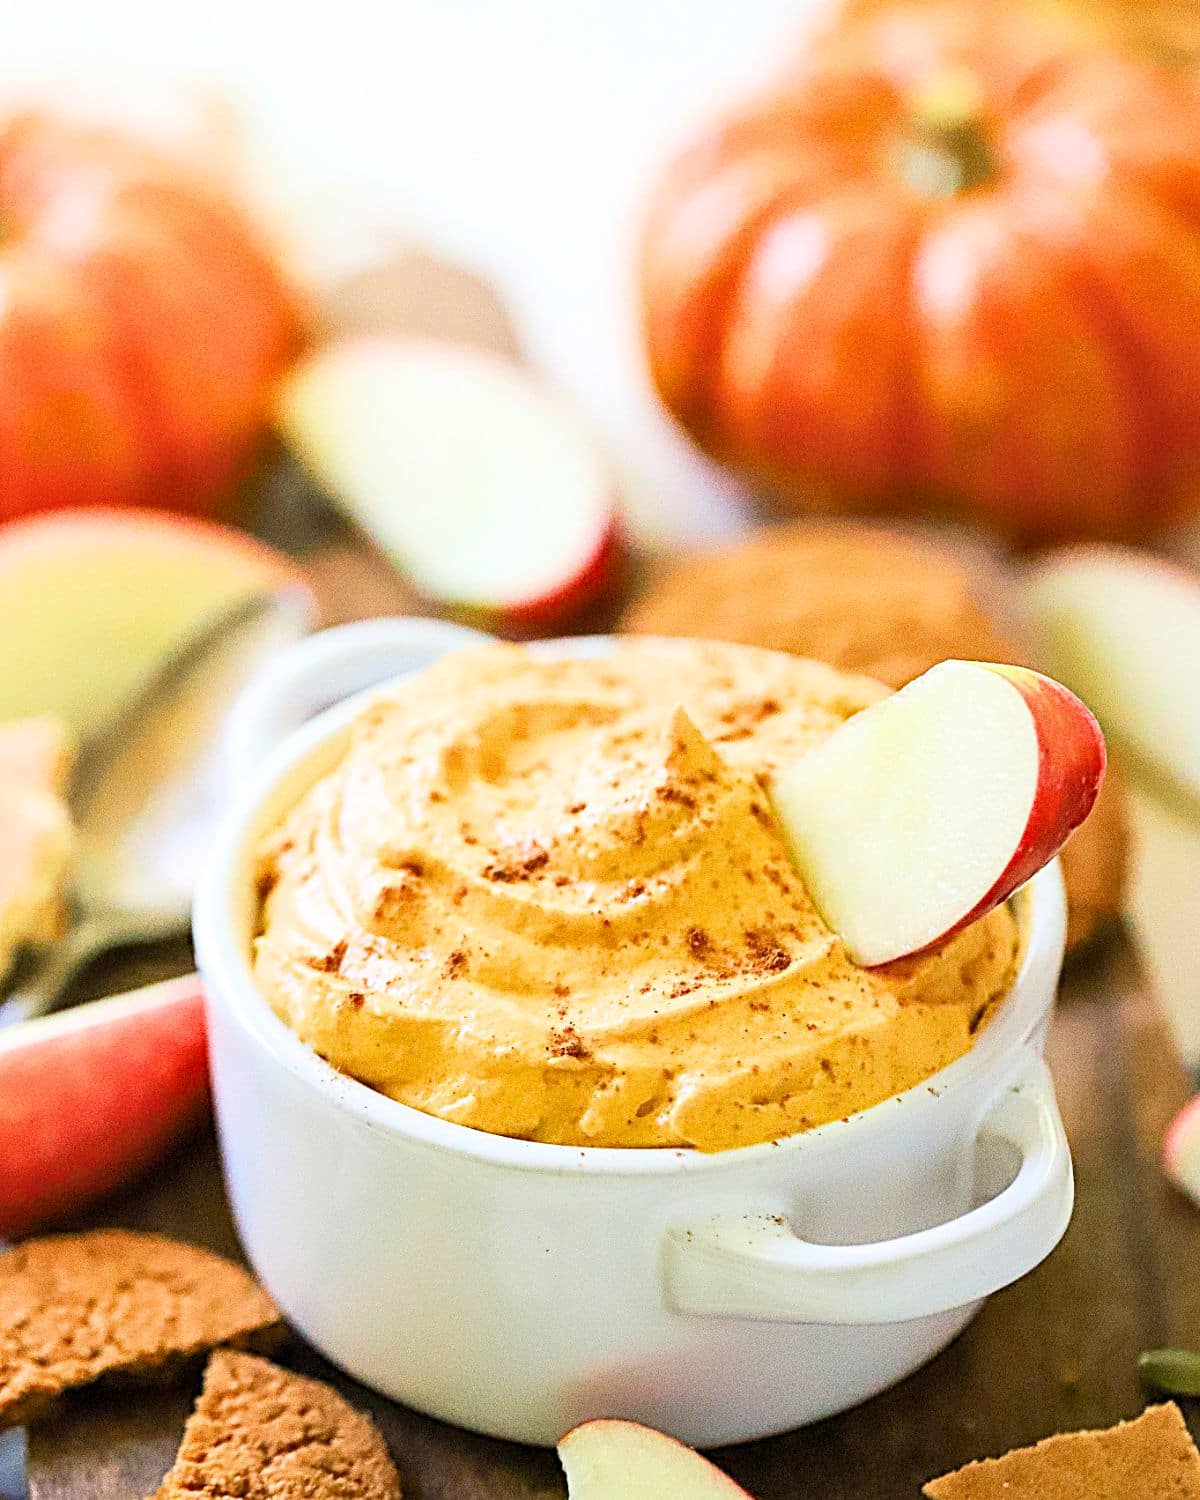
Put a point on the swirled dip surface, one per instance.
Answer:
(549, 899)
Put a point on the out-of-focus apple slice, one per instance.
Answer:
(1122, 629)
(486, 490)
(37, 841)
(93, 599)
(91, 1096)
(929, 808)
(614, 1460)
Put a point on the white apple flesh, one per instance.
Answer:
(1122, 629)
(480, 486)
(94, 598)
(614, 1460)
(923, 812)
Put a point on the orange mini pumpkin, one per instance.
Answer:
(952, 262)
(142, 325)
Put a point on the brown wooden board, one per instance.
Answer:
(1056, 1351)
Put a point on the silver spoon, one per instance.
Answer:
(146, 792)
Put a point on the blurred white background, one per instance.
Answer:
(518, 136)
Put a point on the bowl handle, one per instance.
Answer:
(756, 1266)
(324, 669)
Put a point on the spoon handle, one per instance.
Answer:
(52, 972)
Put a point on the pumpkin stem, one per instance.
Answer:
(949, 152)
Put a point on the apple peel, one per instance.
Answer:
(923, 812)
(91, 1096)
(609, 1459)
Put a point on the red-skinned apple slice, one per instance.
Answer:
(94, 598)
(91, 1096)
(926, 810)
(1122, 629)
(614, 1460)
(482, 487)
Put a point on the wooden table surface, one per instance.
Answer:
(1056, 1351)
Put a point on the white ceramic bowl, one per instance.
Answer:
(518, 1288)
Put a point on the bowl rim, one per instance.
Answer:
(224, 963)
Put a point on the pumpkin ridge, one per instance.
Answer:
(690, 388)
(1159, 440)
(863, 221)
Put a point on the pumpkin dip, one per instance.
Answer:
(548, 898)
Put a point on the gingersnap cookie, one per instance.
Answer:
(862, 598)
(1151, 1458)
(262, 1433)
(872, 600)
(76, 1308)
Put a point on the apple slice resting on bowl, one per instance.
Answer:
(926, 810)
